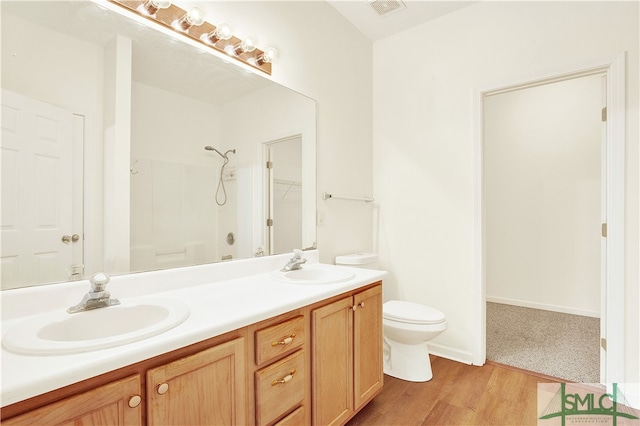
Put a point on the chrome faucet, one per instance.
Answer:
(98, 297)
(295, 262)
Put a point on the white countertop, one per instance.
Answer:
(221, 298)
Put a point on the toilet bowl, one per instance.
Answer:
(407, 328)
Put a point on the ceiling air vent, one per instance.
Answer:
(386, 7)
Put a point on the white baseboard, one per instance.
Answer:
(543, 306)
(450, 353)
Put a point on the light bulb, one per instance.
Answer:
(245, 46)
(151, 7)
(269, 56)
(194, 17)
(222, 32)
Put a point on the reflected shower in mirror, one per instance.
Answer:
(221, 201)
(137, 106)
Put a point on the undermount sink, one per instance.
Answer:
(313, 274)
(59, 332)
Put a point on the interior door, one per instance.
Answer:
(37, 229)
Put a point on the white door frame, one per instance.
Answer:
(614, 67)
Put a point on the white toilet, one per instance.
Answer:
(407, 328)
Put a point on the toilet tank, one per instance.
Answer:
(359, 260)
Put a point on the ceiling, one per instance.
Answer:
(364, 16)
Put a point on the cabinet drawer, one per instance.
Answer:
(280, 387)
(294, 419)
(279, 339)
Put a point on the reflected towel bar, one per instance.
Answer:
(326, 196)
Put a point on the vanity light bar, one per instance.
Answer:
(228, 45)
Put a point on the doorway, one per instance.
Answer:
(542, 186)
(612, 291)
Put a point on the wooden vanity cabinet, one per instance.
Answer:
(346, 356)
(315, 365)
(117, 403)
(206, 388)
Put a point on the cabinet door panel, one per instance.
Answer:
(332, 363)
(105, 405)
(367, 345)
(207, 388)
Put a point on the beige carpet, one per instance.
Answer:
(560, 345)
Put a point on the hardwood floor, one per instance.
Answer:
(458, 394)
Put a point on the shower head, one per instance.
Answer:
(210, 148)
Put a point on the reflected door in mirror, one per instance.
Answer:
(285, 195)
(39, 223)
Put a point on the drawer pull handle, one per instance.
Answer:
(285, 341)
(285, 379)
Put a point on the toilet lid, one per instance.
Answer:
(412, 313)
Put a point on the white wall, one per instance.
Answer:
(542, 196)
(425, 79)
(117, 154)
(170, 127)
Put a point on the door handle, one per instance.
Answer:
(67, 239)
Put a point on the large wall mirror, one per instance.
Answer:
(126, 149)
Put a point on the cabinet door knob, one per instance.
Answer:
(134, 401)
(361, 304)
(285, 341)
(285, 379)
(354, 307)
(163, 388)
